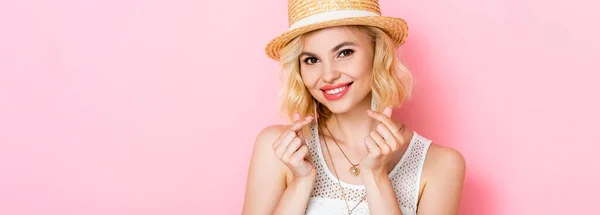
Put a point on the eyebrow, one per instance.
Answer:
(307, 54)
(334, 49)
(347, 43)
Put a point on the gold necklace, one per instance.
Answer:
(354, 170)
(338, 178)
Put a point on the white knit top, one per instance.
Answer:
(326, 198)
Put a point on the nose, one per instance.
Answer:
(330, 73)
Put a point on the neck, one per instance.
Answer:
(352, 127)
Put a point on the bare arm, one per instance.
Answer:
(295, 198)
(443, 191)
(266, 176)
(267, 190)
(381, 195)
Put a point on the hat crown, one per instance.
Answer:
(301, 9)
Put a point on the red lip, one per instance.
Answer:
(338, 95)
(329, 87)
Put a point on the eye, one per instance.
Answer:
(346, 52)
(310, 60)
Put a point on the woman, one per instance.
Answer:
(343, 153)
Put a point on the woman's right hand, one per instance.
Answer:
(291, 149)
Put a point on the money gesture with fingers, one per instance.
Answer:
(383, 142)
(291, 149)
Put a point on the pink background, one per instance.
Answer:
(152, 107)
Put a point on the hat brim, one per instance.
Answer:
(396, 28)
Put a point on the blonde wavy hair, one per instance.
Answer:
(391, 85)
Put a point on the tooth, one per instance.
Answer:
(336, 90)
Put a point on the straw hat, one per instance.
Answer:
(309, 15)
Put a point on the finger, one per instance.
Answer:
(297, 125)
(277, 142)
(292, 147)
(284, 143)
(282, 137)
(372, 147)
(298, 157)
(380, 141)
(385, 132)
(383, 118)
(279, 150)
(287, 139)
(296, 116)
(387, 121)
(301, 122)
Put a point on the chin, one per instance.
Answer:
(339, 106)
(338, 109)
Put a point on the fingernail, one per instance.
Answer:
(370, 112)
(309, 118)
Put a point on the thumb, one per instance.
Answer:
(388, 111)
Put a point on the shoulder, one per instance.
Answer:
(263, 161)
(264, 153)
(266, 179)
(444, 162)
(263, 144)
(446, 156)
(442, 180)
(268, 135)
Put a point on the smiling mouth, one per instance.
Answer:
(335, 92)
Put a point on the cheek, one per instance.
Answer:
(309, 77)
(359, 68)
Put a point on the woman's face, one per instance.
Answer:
(336, 66)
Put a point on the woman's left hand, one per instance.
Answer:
(383, 143)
